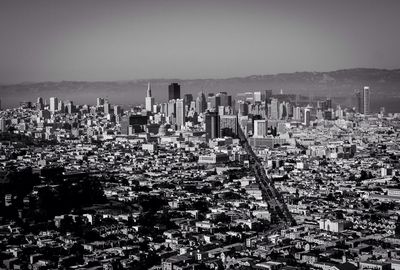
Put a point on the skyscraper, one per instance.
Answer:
(99, 102)
(363, 100)
(211, 123)
(267, 95)
(260, 128)
(70, 107)
(366, 100)
(180, 113)
(149, 99)
(307, 116)
(61, 106)
(107, 107)
(174, 91)
(201, 103)
(53, 104)
(39, 103)
(274, 109)
(188, 98)
(257, 96)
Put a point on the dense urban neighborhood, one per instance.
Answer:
(262, 180)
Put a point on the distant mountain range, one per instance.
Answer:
(385, 85)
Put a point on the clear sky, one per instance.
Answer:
(49, 40)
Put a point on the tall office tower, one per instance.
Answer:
(99, 102)
(70, 107)
(117, 110)
(107, 107)
(289, 109)
(39, 103)
(53, 104)
(274, 109)
(164, 108)
(61, 106)
(214, 101)
(282, 110)
(267, 95)
(149, 100)
(188, 98)
(222, 99)
(171, 108)
(260, 128)
(221, 110)
(258, 96)
(174, 91)
(180, 113)
(228, 125)
(201, 103)
(366, 100)
(297, 113)
(307, 116)
(243, 108)
(2, 125)
(211, 123)
(358, 97)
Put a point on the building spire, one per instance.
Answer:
(148, 90)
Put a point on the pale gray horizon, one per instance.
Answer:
(101, 40)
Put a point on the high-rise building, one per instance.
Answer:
(39, 103)
(297, 113)
(117, 110)
(174, 91)
(61, 106)
(260, 128)
(107, 107)
(201, 103)
(366, 100)
(363, 100)
(307, 116)
(267, 95)
(53, 104)
(149, 99)
(180, 113)
(211, 124)
(188, 98)
(243, 108)
(274, 109)
(171, 110)
(258, 96)
(99, 102)
(228, 125)
(70, 107)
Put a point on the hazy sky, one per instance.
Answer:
(123, 40)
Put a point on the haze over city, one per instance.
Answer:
(123, 40)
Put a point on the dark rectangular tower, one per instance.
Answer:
(174, 91)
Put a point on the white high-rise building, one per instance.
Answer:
(366, 100)
(53, 104)
(149, 100)
(260, 128)
(258, 96)
(180, 113)
(274, 109)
